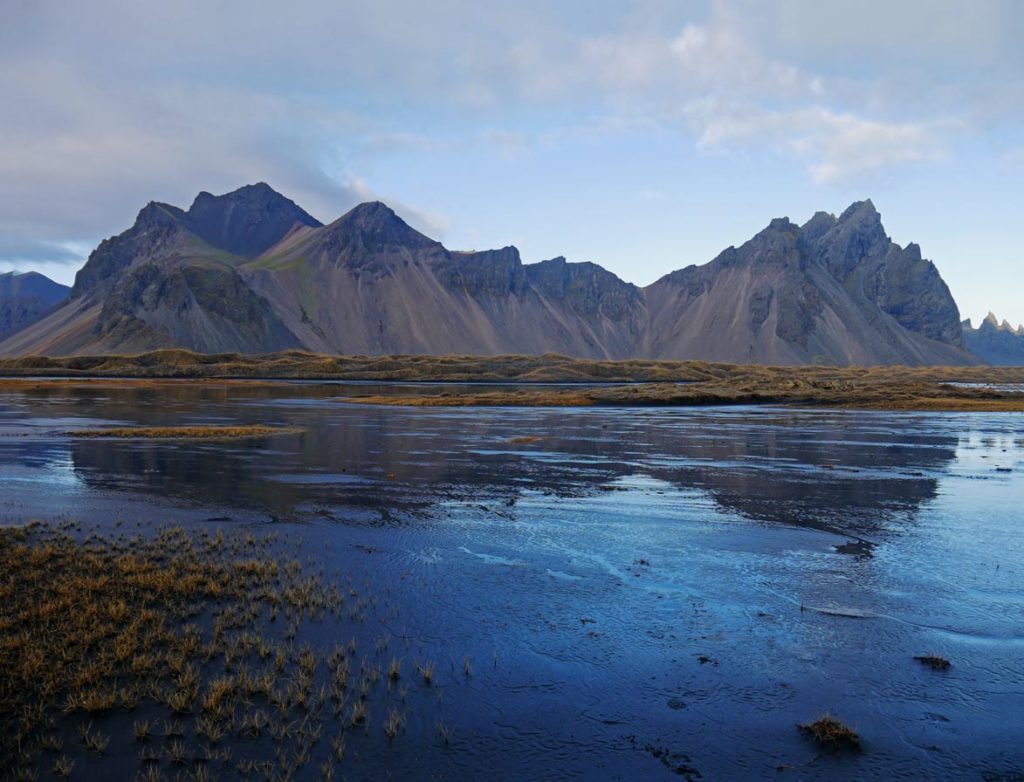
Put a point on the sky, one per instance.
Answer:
(643, 136)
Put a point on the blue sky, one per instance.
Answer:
(643, 136)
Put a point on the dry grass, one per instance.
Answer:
(549, 367)
(881, 389)
(829, 732)
(177, 628)
(176, 363)
(183, 432)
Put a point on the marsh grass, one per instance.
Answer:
(175, 628)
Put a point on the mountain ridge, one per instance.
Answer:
(995, 342)
(250, 271)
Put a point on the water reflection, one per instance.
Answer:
(845, 473)
(621, 579)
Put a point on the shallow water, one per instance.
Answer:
(642, 593)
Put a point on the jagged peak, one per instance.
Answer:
(992, 320)
(860, 209)
(820, 224)
(257, 194)
(157, 212)
(378, 220)
(373, 210)
(781, 224)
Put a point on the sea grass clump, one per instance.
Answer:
(830, 733)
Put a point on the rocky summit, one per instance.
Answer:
(251, 272)
(995, 342)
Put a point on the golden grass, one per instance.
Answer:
(183, 432)
(178, 625)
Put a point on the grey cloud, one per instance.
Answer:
(29, 251)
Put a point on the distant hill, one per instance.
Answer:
(995, 342)
(25, 298)
(251, 272)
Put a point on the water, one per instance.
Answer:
(642, 593)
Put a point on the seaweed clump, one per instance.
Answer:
(829, 732)
(933, 661)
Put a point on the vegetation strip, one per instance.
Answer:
(793, 391)
(548, 368)
(183, 432)
(638, 382)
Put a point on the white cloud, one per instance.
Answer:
(834, 146)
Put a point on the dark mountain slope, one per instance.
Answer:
(159, 284)
(836, 290)
(369, 284)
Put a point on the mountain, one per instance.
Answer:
(25, 298)
(995, 342)
(370, 284)
(172, 280)
(835, 290)
(250, 271)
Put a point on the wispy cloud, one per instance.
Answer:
(835, 147)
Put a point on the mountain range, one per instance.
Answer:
(252, 272)
(994, 342)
